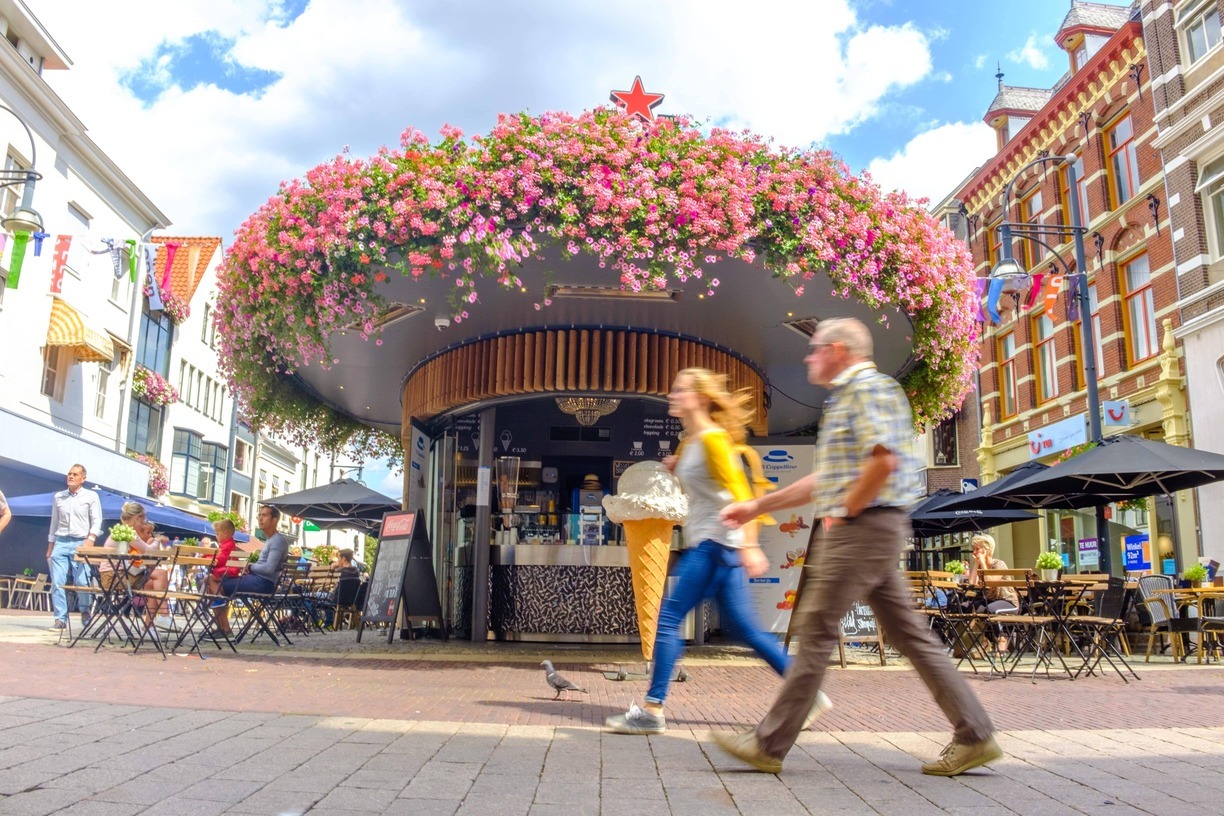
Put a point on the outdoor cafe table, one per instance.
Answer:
(117, 600)
(1056, 600)
(1187, 598)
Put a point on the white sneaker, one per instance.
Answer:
(163, 622)
(822, 704)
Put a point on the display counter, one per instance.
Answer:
(562, 593)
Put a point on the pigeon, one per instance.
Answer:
(558, 682)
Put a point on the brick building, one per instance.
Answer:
(1032, 375)
(1186, 60)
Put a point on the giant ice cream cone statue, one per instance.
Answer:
(649, 503)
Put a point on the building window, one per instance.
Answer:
(1095, 310)
(1064, 198)
(56, 360)
(121, 290)
(185, 462)
(9, 196)
(993, 242)
(240, 504)
(1030, 213)
(104, 372)
(153, 348)
(1007, 374)
(944, 448)
(1211, 188)
(205, 324)
(212, 474)
(144, 428)
(1201, 29)
(1140, 310)
(242, 456)
(1047, 358)
(1123, 161)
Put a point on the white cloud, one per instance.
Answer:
(979, 61)
(358, 72)
(934, 161)
(1031, 53)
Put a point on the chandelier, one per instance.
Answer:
(587, 410)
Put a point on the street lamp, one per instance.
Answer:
(1008, 267)
(24, 217)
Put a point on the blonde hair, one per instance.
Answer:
(131, 510)
(987, 541)
(730, 411)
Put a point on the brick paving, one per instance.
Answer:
(466, 730)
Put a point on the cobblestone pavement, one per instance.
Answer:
(461, 729)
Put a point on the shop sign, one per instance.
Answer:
(1136, 554)
(418, 458)
(1115, 413)
(1089, 552)
(1057, 437)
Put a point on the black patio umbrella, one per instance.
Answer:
(333, 503)
(983, 497)
(930, 518)
(1119, 468)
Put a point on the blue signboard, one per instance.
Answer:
(1135, 553)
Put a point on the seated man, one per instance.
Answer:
(262, 575)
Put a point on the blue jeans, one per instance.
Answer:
(710, 570)
(60, 564)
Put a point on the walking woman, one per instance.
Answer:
(709, 465)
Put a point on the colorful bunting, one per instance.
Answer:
(171, 248)
(980, 285)
(992, 299)
(1073, 311)
(151, 291)
(63, 243)
(131, 253)
(38, 239)
(20, 239)
(1052, 288)
(1034, 290)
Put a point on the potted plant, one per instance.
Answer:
(957, 568)
(1048, 564)
(1196, 575)
(28, 572)
(122, 535)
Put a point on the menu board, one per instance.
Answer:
(403, 576)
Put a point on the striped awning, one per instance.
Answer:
(67, 328)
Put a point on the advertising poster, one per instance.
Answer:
(418, 459)
(1089, 553)
(1135, 553)
(785, 543)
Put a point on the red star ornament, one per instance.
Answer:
(637, 102)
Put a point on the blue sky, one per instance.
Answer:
(208, 109)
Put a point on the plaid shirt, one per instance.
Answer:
(864, 409)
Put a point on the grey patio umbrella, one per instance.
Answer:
(1119, 468)
(983, 497)
(343, 499)
(931, 517)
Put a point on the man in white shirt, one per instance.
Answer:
(76, 519)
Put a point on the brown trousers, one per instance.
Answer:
(856, 561)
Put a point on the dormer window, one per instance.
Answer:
(1077, 47)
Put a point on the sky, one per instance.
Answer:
(209, 104)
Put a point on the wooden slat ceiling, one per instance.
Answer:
(568, 361)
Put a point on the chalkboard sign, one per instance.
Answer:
(858, 625)
(403, 575)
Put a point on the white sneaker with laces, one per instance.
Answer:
(820, 706)
(163, 622)
(636, 721)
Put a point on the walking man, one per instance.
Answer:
(862, 487)
(76, 519)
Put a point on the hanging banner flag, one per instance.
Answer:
(979, 286)
(171, 248)
(63, 244)
(155, 301)
(116, 261)
(38, 239)
(992, 299)
(131, 251)
(1034, 290)
(1052, 288)
(1073, 310)
(20, 239)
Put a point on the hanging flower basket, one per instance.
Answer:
(152, 387)
(175, 308)
(658, 203)
(159, 477)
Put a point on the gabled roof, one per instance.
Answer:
(190, 266)
(1010, 98)
(1096, 16)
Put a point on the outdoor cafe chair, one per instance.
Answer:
(957, 621)
(194, 606)
(1103, 631)
(36, 591)
(1157, 605)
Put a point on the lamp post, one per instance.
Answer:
(1008, 267)
(24, 217)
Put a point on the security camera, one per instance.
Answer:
(441, 323)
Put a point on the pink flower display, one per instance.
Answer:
(151, 387)
(159, 477)
(655, 202)
(177, 309)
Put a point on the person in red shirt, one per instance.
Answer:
(224, 528)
